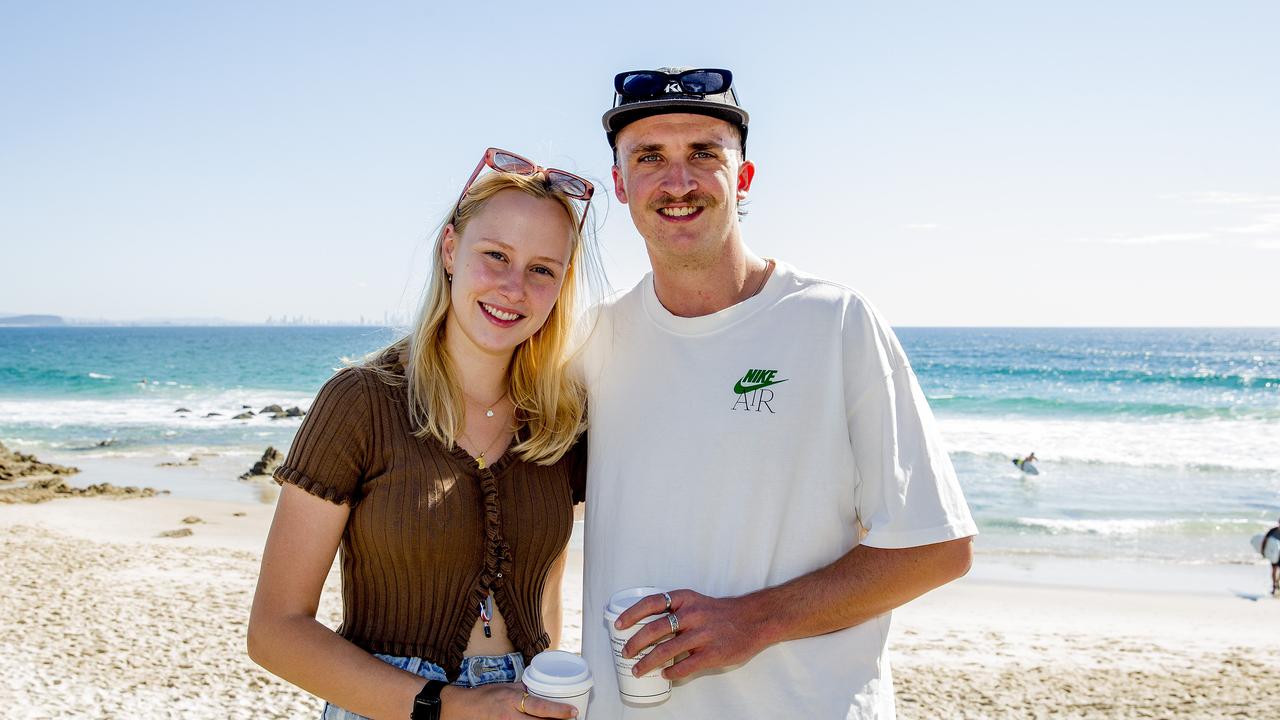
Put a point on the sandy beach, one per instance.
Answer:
(105, 617)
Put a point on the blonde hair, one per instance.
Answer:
(550, 405)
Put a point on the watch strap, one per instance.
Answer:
(426, 705)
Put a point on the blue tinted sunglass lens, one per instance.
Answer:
(704, 82)
(641, 84)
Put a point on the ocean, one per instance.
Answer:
(1155, 445)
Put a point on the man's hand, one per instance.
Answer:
(713, 633)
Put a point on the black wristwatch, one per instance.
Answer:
(426, 706)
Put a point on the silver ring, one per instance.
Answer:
(667, 596)
(674, 622)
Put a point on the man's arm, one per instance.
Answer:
(721, 632)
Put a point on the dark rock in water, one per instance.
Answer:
(14, 465)
(271, 409)
(271, 459)
(214, 415)
(181, 410)
(246, 407)
(294, 411)
(279, 415)
(106, 443)
(243, 416)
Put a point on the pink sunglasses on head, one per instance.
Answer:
(565, 183)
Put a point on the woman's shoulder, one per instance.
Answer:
(346, 393)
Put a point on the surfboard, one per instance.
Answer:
(1271, 552)
(1028, 468)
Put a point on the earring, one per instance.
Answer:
(448, 277)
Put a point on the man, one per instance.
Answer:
(758, 443)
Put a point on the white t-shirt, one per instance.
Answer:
(739, 450)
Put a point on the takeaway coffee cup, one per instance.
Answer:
(648, 689)
(561, 677)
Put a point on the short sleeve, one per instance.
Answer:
(908, 494)
(578, 469)
(329, 454)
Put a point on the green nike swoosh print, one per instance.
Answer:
(741, 389)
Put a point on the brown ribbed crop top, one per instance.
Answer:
(429, 533)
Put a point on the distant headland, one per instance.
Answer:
(30, 320)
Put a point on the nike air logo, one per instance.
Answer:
(754, 380)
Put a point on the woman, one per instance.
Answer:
(445, 467)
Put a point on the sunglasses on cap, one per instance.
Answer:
(505, 161)
(639, 84)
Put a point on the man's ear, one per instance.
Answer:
(619, 186)
(746, 173)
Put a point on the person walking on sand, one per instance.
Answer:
(445, 467)
(759, 444)
(1275, 566)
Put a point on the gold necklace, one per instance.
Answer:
(481, 463)
(488, 411)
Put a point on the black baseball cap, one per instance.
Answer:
(645, 93)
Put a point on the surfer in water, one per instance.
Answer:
(1275, 567)
(1023, 464)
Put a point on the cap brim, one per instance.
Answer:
(619, 117)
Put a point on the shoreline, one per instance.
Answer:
(214, 479)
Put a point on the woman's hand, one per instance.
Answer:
(498, 702)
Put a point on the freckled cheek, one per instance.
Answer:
(482, 276)
(546, 295)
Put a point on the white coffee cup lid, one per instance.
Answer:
(556, 673)
(623, 599)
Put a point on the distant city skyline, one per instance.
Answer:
(980, 164)
(46, 320)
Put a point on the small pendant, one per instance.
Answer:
(480, 463)
(488, 413)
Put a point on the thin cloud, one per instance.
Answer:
(1216, 197)
(1257, 214)
(1263, 225)
(1155, 239)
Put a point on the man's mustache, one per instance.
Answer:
(693, 199)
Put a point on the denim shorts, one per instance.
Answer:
(476, 671)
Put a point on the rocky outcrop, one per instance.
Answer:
(15, 465)
(244, 416)
(271, 409)
(55, 487)
(191, 460)
(262, 469)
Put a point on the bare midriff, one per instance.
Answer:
(478, 644)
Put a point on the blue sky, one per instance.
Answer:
(980, 163)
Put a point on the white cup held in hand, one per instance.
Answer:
(650, 688)
(561, 677)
